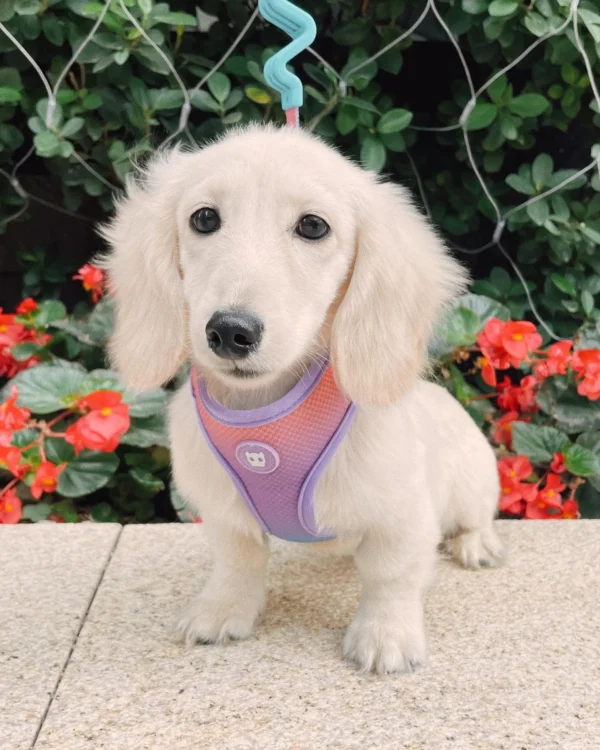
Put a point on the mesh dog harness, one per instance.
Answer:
(275, 454)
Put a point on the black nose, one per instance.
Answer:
(233, 334)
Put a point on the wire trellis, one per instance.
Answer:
(571, 22)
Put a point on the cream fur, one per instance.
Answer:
(413, 470)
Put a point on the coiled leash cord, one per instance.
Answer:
(301, 26)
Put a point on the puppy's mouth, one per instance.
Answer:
(242, 374)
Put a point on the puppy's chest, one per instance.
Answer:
(276, 455)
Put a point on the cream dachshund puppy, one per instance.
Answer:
(259, 258)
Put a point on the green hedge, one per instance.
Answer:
(529, 131)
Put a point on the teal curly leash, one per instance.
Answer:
(301, 27)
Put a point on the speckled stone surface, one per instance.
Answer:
(48, 574)
(514, 656)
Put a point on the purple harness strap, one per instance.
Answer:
(276, 454)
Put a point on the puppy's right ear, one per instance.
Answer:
(149, 341)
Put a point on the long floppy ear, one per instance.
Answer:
(401, 280)
(149, 341)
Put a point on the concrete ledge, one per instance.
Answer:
(515, 656)
(49, 573)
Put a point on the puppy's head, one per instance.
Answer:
(264, 250)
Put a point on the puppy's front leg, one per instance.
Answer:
(387, 633)
(234, 595)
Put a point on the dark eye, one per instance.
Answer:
(312, 227)
(205, 220)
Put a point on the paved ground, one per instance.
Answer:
(88, 662)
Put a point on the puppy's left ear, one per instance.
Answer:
(402, 279)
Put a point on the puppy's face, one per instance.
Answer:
(265, 242)
(267, 249)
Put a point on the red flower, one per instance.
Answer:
(11, 458)
(93, 280)
(570, 508)
(10, 507)
(514, 493)
(487, 372)
(586, 363)
(559, 356)
(26, 306)
(46, 479)
(514, 468)
(13, 417)
(102, 427)
(547, 502)
(503, 433)
(490, 343)
(558, 463)
(518, 398)
(11, 333)
(519, 338)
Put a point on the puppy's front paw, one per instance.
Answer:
(209, 619)
(384, 645)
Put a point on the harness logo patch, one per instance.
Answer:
(257, 457)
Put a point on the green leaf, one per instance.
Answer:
(104, 513)
(394, 142)
(36, 512)
(482, 116)
(581, 461)
(372, 153)
(174, 18)
(9, 96)
(21, 352)
(27, 7)
(587, 302)
(497, 88)
(66, 510)
(48, 388)
(536, 24)
(538, 212)
(394, 121)
(232, 118)
(21, 438)
(219, 86)
(500, 278)
(100, 380)
(465, 392)
(529, 105)
(521, 184)
(58, 450)
(72, 127)
(146, 404)
(353, 101)
(147, 480)
(144, 433)
(48, 312)
(538, 442)
(590, 233)
(234, 98)
(46, 144)
(346, 119)
(475, 6)
(564, 284)
(257, 95)
(87, 473)
(162, 100)
(463, 325)
(502, 8)
(484, 307)
(541, 170)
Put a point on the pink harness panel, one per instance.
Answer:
(276, 454)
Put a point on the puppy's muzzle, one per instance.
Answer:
(233, 334)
